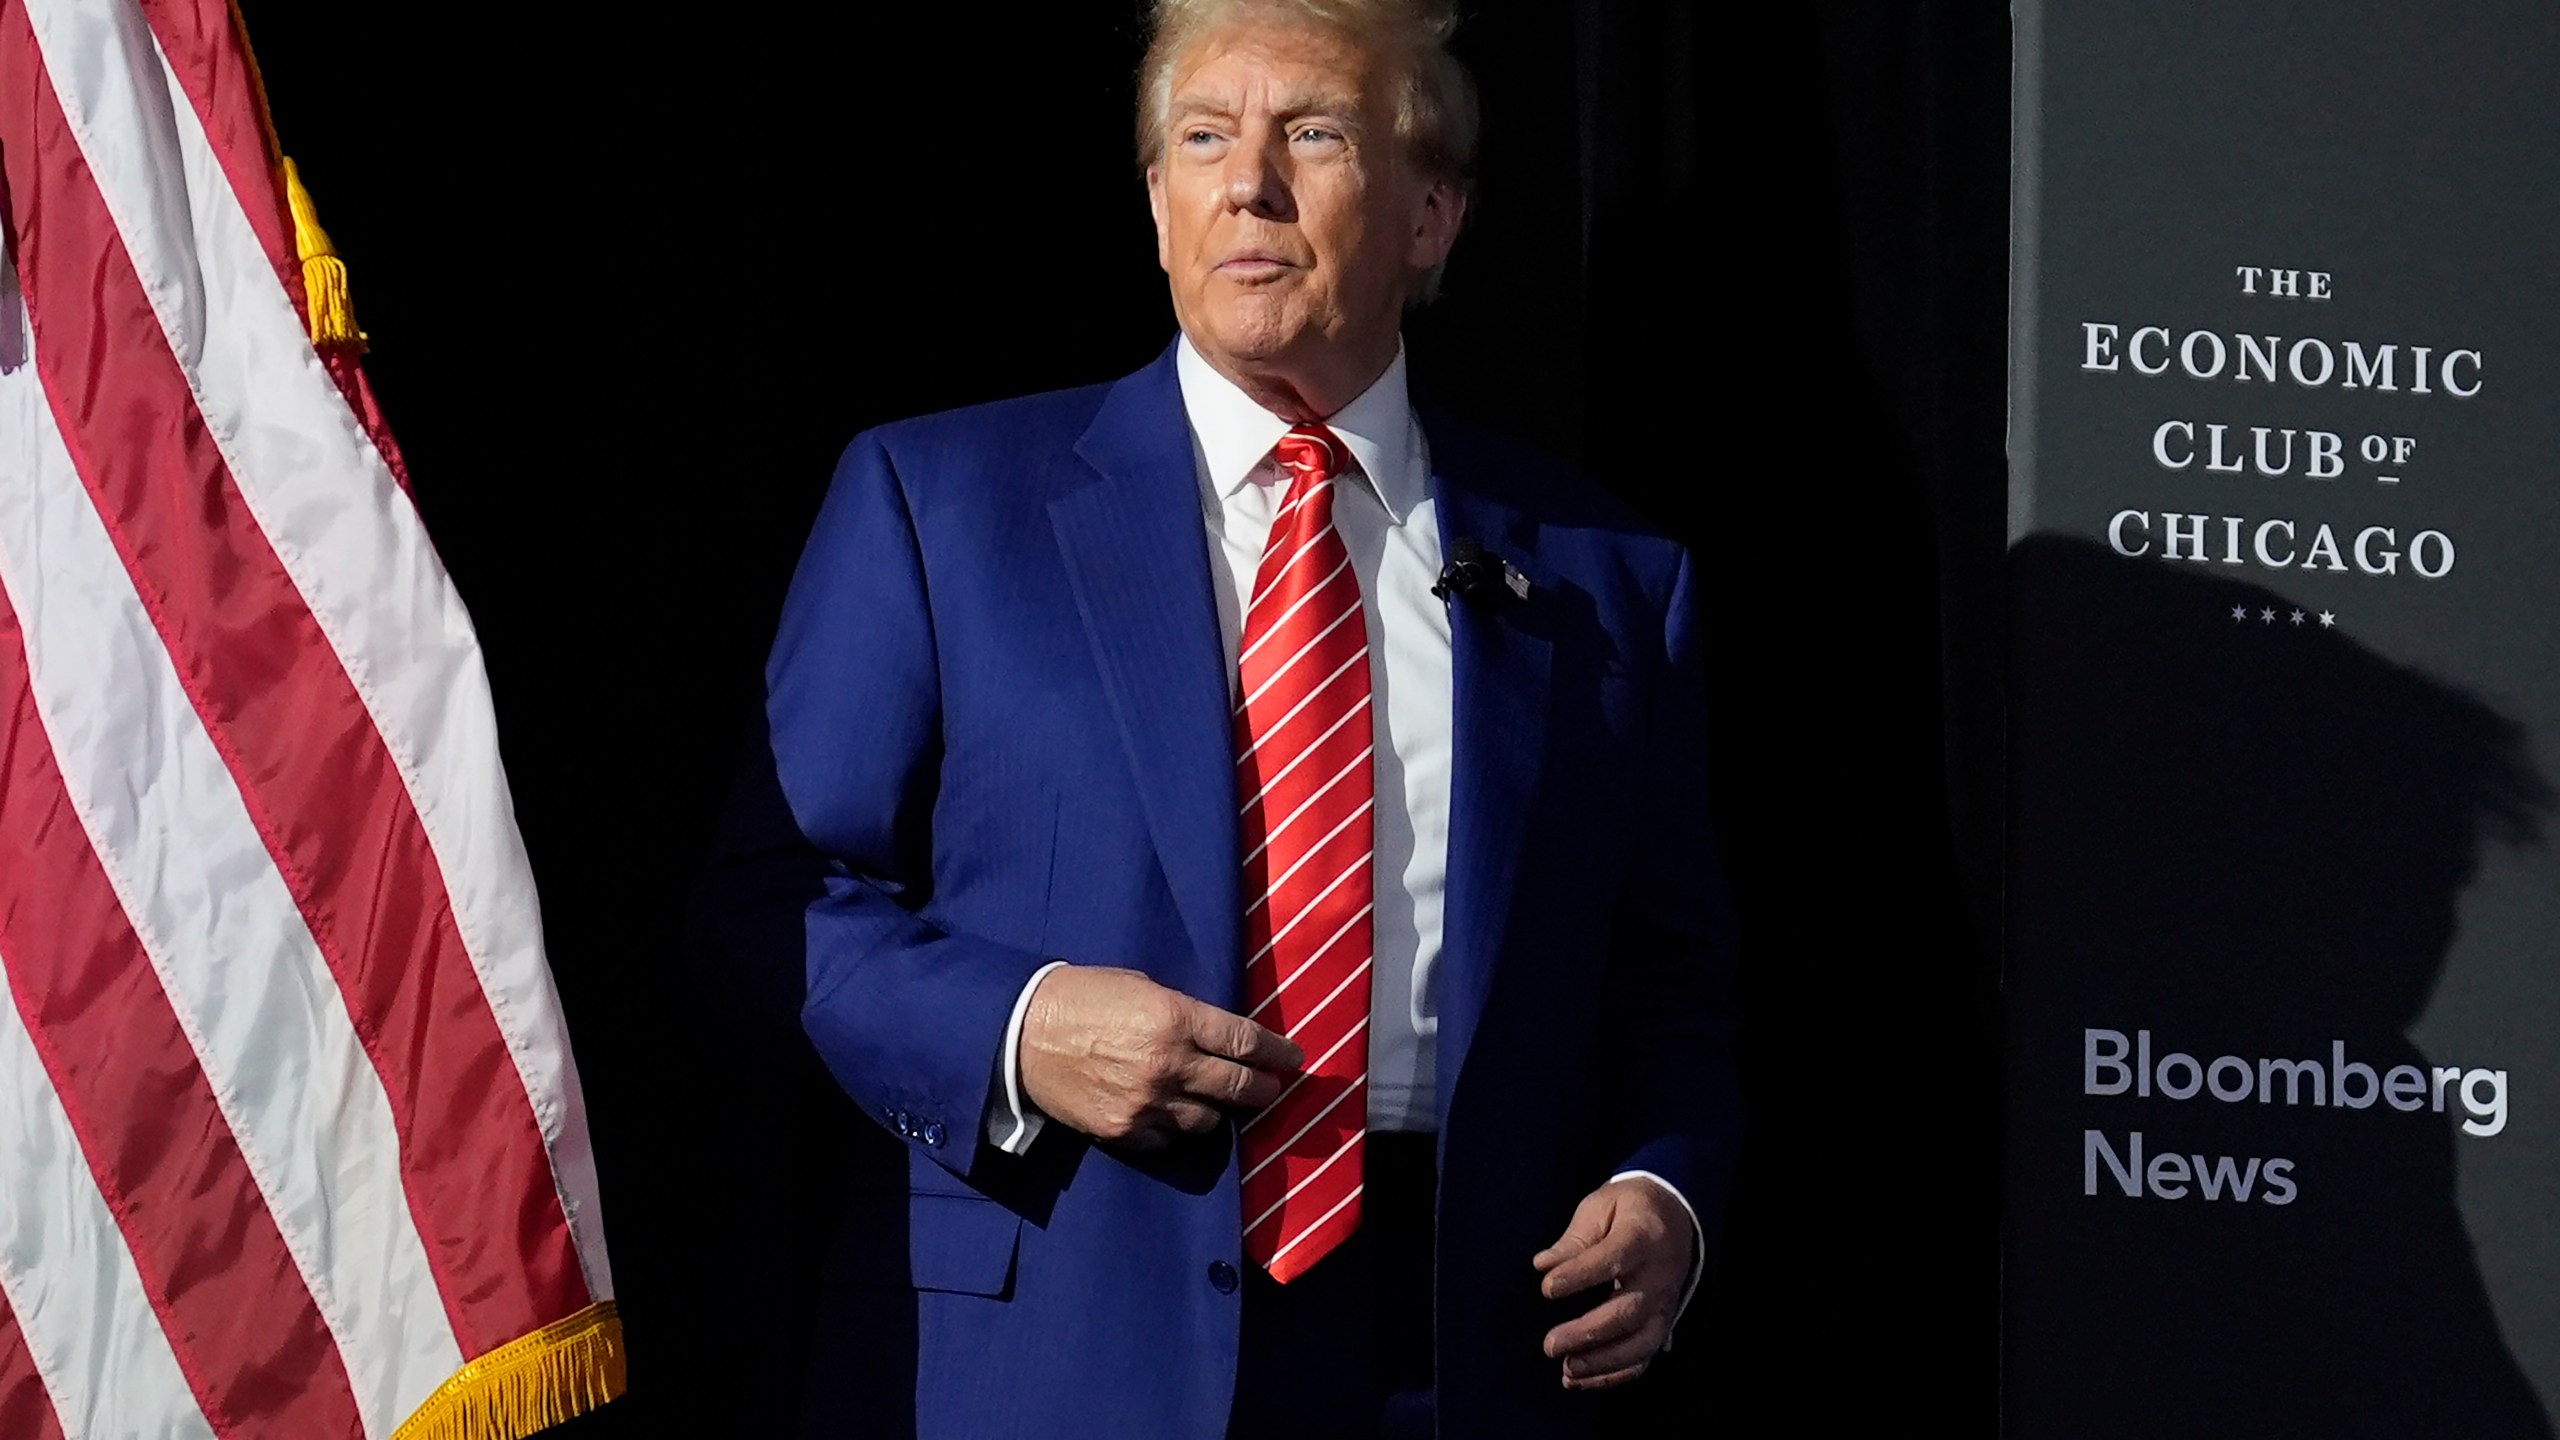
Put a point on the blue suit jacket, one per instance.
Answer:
(998, 734)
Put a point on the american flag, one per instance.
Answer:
(291, 1142)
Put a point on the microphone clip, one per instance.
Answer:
(1477, 575)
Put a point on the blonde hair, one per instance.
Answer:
(1435, 109)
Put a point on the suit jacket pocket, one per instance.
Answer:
(961, 1243)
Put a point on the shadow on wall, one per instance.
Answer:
(2247, 838)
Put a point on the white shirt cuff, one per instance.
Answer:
(1011, 1122)
(1697, 1248)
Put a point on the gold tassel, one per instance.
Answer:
(324, 275)
(549, 1377)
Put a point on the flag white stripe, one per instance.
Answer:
(250, 987)
(347, 536)
(67, 1275)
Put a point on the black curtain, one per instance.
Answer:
(633, 280)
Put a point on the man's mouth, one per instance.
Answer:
(1254, 265)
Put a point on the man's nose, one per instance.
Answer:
(1257, 180)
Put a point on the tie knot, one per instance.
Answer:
(1311, 452)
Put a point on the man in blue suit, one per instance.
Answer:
(1024, 679)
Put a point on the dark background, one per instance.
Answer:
(634, 278)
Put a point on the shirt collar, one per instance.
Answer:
(1232, 434)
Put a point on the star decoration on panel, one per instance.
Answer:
(2295, 616)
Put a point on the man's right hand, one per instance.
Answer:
(1114, 1054)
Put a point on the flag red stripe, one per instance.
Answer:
(231, 1300)
(210, 56)
(206, 53)
(278, 705)
(26, 1412)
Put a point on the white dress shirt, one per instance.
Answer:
(1390, 523)
(1391, 526)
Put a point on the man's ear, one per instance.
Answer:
(1435, 232)
(1155, 207)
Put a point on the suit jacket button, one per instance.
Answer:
(933, 1132)
(1222, 1277)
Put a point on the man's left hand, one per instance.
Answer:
(1632, 1235)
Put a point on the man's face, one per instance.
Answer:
(1288, 221)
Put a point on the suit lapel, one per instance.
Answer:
(1500, 664)
(1137, 557)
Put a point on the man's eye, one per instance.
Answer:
(1198, 137)
(1318, 135)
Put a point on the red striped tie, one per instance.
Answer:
(1303, 770)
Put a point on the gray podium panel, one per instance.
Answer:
(2284, 946)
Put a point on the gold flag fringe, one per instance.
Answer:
(324, 275)
(555, 1374)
